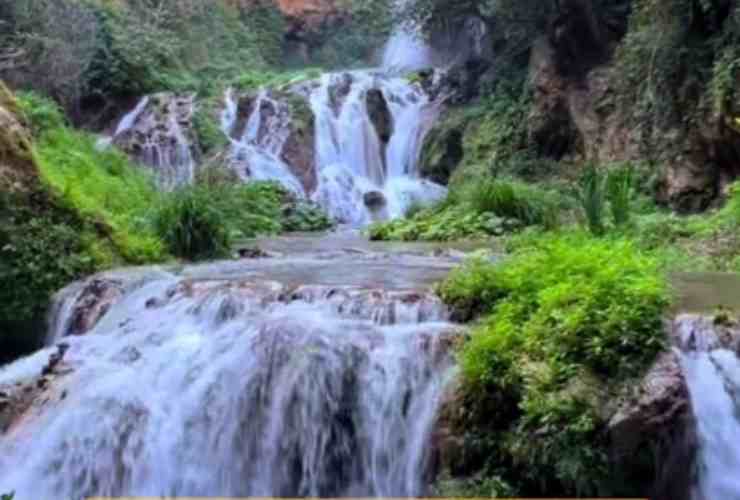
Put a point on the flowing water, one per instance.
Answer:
(711, 367)
(351, 159)
(154, 132)
(213, 380)
(255, 153)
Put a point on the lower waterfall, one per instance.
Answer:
(193, 384)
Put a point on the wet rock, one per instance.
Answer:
(380, 114)
(374, 200)
(55, 359)
(658, 403)
(253, 253)
(98, 296)
(339, 90)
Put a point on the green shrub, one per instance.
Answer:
(565, 320)
(447, 222)
(513, 200)
(40, 113)
(8, 496)
(591, 194)
(305, 217)
(43, 247)
(191, 227)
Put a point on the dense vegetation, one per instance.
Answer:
(88, 208)
(564, 321)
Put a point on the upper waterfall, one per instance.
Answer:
(354, 164)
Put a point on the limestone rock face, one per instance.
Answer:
(575, 115)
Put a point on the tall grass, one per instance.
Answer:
(620, 191)
(191, 227)
(104, 186)
(591, 194)
(513, 200)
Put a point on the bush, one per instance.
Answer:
(566, 319)
(43, 247)
(191, 227)
(305, 217)
(39, 113)
(442, 223)
(513, 200)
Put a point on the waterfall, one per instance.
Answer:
(407, 50)
(155, 134)
(352, 159)
(712, 373)
(233, 388)
(255, 154)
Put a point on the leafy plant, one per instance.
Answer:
(590, 193)
(620, 191)
(563, 320)
(191, 227)
(8, 496)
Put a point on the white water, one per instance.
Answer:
(236, 389)
(256, 152)
(712, 374)
(407, 51)
(350, 157)
(163, 146)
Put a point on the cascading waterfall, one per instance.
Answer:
(235, 388)
(256, 151)
(407, 50)
(712, 373)
(351, 159)
(154, 133)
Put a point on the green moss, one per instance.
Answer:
(566, 319)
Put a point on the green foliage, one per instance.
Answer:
(305, 217)
(488, 487)
(8, 496)
(676, 69)
(39, 113)
(483, 208)
(72, 49)
(191, 227)
(591, 194)
(207, 127)
(566, 317)
(442, 223)
(41, 250)
(253, 80)
(102, 186)
(620, 191)
(511, 199)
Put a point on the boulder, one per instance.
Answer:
(375, 200)
(95, 300)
